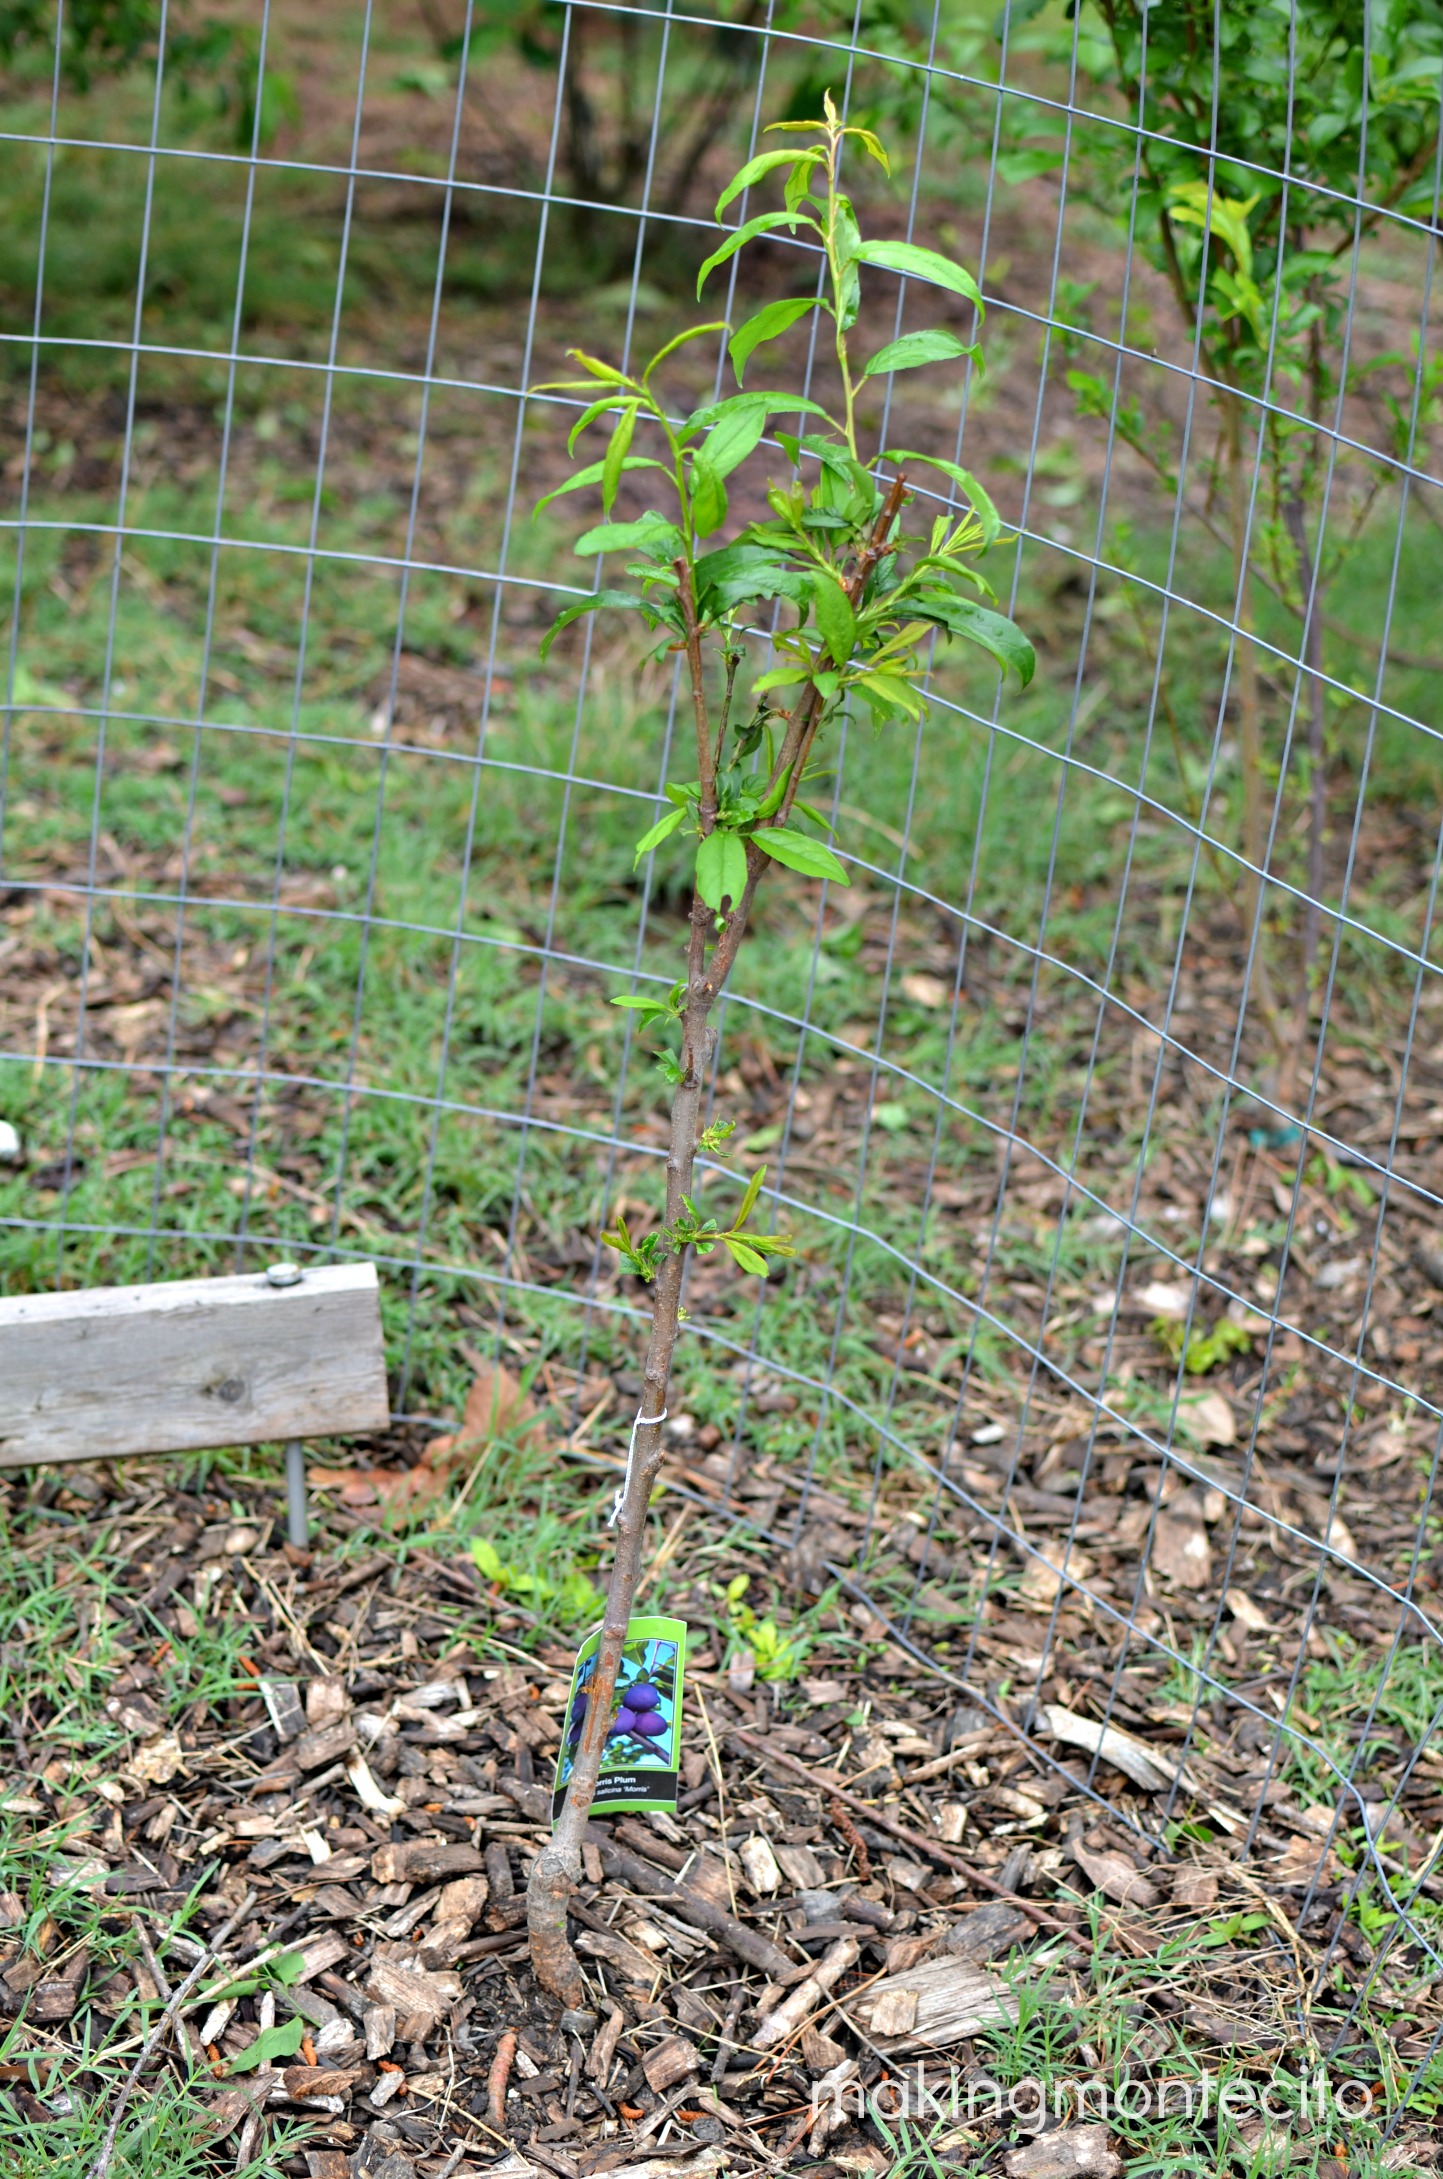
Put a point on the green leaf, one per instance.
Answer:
(936, 346)
(738, 573)
(981, 503)
(836, 622)
(616, 454)
(744, 1256)
(799, 185)
(721, 869)
(693, 332)
(288, 1969)
(780, 677)
(798, 851)
(660, 831)
(873, 145)
(651, 533)
(765, 162)
(848, 241)
(708, 497)
(762, 225)
(889, 692)
(749, 1200)
(773, 798)
(767, 324)
(589, 416)
(735, 435)
(486, 1559)
(607, 372)
(1025, 165)
(989, 631)
(919, 264)
(592, 474)
(281, 2041)
(619, 598)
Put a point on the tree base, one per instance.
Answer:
(553, 1962)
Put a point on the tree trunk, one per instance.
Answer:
(558, 1866)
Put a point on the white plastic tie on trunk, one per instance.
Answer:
(642, 1422)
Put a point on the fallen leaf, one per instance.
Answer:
(496, 1407)
(379, 1486)
(1181, 1552)
(156, 1761)
(1340, 1538)
(1114, 1874)
(1246, 1612)
(1168, 1301)
(1194, 1888)
(1207, 1418)
(1305, 1861)
(1043, 1577)
(925, 990)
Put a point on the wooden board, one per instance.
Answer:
(190, 1363)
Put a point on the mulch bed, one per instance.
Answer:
(373, 1799)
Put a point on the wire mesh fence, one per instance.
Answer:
(1102, 1103)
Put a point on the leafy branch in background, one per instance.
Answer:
(1268, 143)
(609, 136)
(861, 601)
(215, 62)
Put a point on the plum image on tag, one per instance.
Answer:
(639, 1764)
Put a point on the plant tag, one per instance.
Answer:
(639, 1762)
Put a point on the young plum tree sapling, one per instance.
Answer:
(861, 600)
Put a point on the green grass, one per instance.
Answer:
(398, 1145)
(1101, 2027)
(58, 1631)
(286, 774)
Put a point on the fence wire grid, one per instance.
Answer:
(1103, 1103)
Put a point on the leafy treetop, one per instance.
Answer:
(865, 597)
